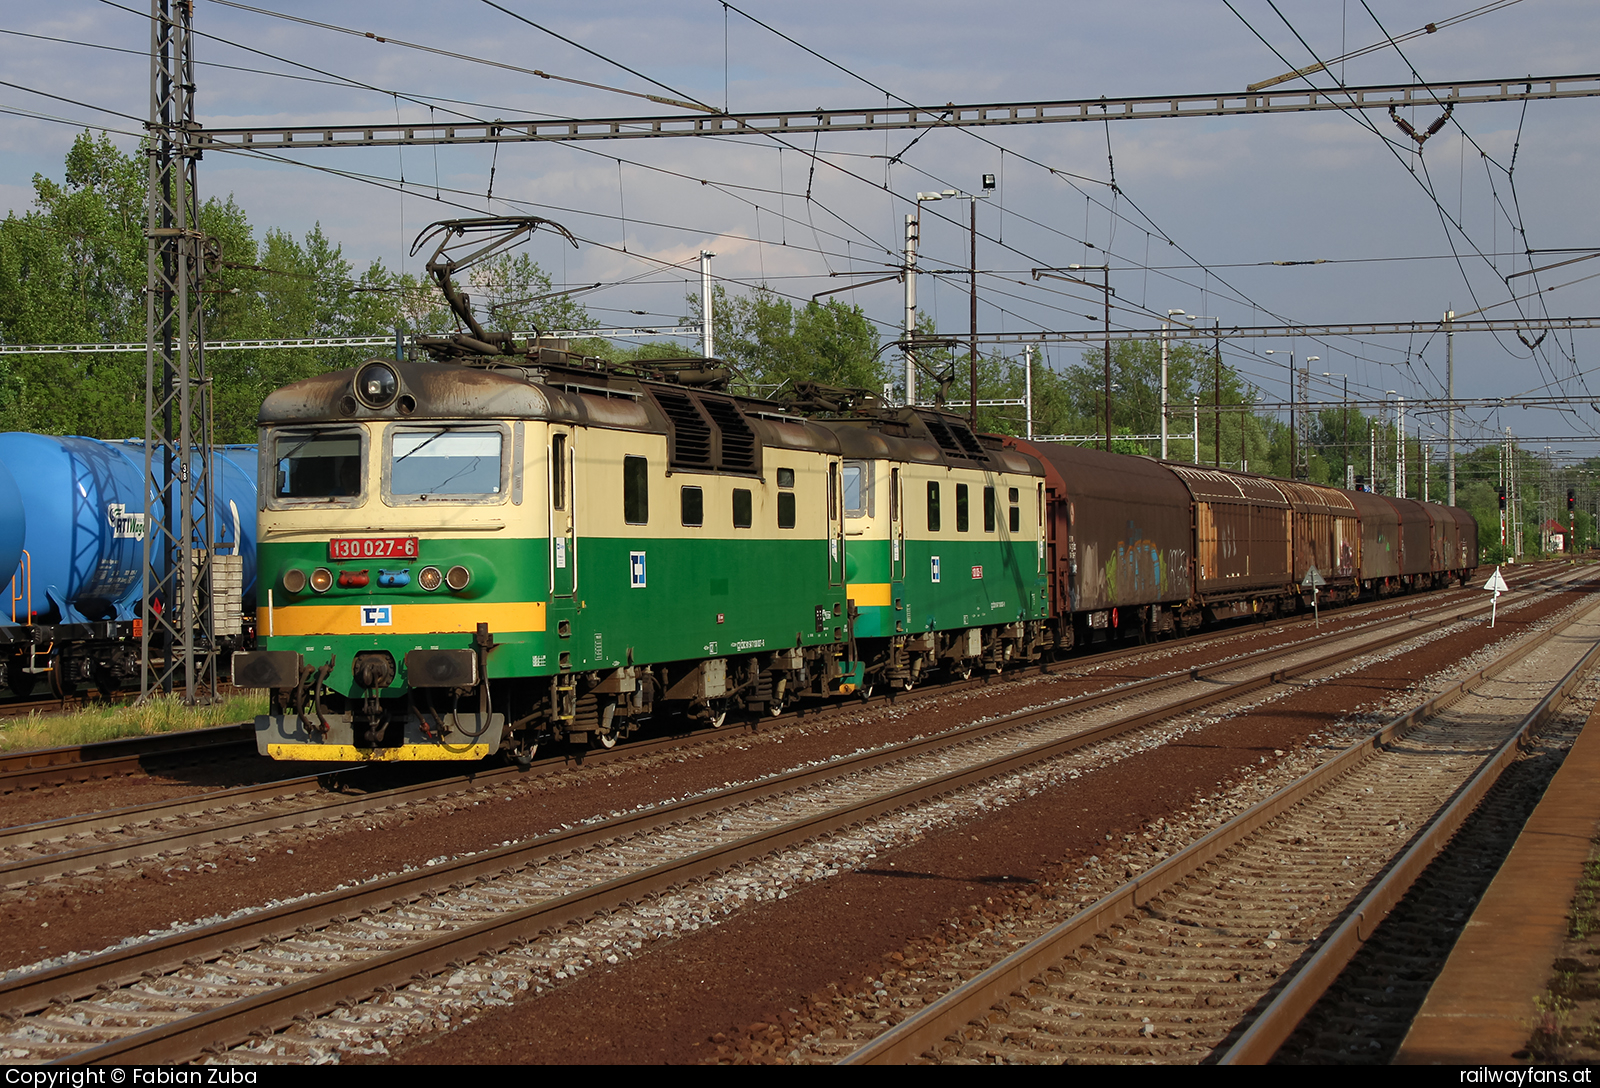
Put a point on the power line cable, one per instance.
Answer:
(386, 40)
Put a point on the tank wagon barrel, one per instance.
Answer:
(75, 580)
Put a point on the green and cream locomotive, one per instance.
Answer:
(509, 545)
(459, 560)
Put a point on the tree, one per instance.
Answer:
(72, 270)
(1079, 405)
(519, 297)
(774, 343)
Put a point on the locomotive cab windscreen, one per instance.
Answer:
(456, 463)
(321, 465)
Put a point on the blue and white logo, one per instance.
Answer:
(377, 615)
(935, 568)
(636, 569)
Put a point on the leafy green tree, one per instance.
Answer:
(73, 269)
(518, 297)
(774, 343)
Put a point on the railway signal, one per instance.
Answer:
(1497, 585)
(1315, 581)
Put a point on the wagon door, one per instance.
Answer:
(563, 520)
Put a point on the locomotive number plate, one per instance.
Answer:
(373, 547)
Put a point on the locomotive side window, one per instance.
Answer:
(933, 506)
(857, 490)
(558, 472)
(741, 508)
(692, 502)
(317, 465)
(445, 461)
(961, 508)
(635, 490)
(988, 510)
(1016, 510)
(786, 518)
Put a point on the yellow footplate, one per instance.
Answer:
(349, 753)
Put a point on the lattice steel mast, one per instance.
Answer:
(177, 637)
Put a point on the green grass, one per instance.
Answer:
(163, 714)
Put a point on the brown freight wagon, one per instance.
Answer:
(1243, 527)
(1455, 542)
(1467, 560)
(1416, 541)
(1379, 563)
(1327, 536)
(1119, 537)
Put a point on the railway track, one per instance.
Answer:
(1364, 1017)
(214, 987)
(66, 765)
(46, 767)
(54, 848)
(1217, 951)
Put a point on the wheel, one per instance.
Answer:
(718, 715)
(865, 691)
(962, 671)
(20, 683)
(775, 709)
(58, 677)
(604, 740)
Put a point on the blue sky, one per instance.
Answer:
(1202, 207)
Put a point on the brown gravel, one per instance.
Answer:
(808, 953)
(94, 911)
(749, 988)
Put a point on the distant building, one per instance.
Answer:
(1555, 536)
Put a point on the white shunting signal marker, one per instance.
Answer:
(1497, 585)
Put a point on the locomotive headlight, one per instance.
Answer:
(321, 579)
(377, 384)
(458, 578)
(429, 578)
(294, 580)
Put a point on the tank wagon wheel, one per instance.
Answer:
(865, 691)
(105, 682)
(524, 758)
(717, 713)
(607, 741)
(58, 677)
(20, 683)
(962, 671)
(775, 708)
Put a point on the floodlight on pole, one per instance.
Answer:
(1292, 446)
(1349, 467)
(1165, 324)
(913, 235)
